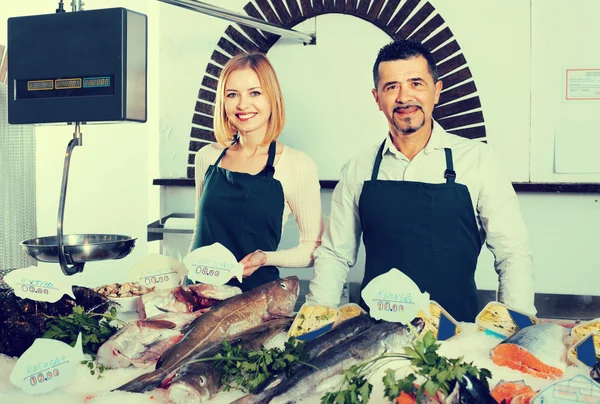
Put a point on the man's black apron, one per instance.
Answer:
(427, 231)
(243, 212)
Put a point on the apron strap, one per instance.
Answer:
(269, 169)
(449, 174)
(235, 140)
(377, 162)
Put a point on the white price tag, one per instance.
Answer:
(46, 365)
(41, 284)
(394, 297)
(213, 264)
(158, 270)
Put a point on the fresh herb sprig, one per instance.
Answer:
(95, 329)
(94, 366)
(249, 369)
(439, 372)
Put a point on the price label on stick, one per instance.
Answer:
(46, 365)
(213, 264)
(40, 284)
(158, 270)
(393, 296)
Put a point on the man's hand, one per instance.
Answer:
(253, 261)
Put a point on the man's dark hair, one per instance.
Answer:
(404, 50)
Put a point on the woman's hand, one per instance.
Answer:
(253, 261)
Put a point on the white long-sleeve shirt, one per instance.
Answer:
(494, 200)
(298, 176)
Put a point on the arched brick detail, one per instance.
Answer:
(400, 19)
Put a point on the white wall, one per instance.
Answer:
(331, 113)
(109, 189)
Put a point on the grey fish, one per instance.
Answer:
(313, 348)
(376, 340)
(470, 390)
(200, 381)
(230, 317)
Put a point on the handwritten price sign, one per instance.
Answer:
(43, 285)
(394, 297)
(158, 270)
(213, 264)
(46, 365)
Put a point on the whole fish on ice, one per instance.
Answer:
(537, 350)
(233, 316)
(379, 338)
(140, 343)
(197, 382)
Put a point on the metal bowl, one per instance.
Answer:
(80, 247)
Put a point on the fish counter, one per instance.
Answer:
(203, 343)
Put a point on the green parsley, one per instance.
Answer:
(95, 329)
(249, 370)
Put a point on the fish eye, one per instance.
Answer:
(463, 400)
(283, 286)
(202, 380)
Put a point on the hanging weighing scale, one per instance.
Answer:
(76, 68)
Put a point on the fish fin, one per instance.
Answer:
(185, 296)
(157, 324)
(145, 382)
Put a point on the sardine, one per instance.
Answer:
(233, 316)
(140, 343)
(379, 338)
(537, 350)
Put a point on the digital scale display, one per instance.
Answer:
(65, 87)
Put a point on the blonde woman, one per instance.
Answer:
(248, 183)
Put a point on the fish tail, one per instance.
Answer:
(145, 382)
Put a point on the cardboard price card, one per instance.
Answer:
(499, 320)
(394, 297)
(580, 389)
(213, 264)
(42, 285)
(585, 351)
(46, 365)
(439, 322)
(158, 270)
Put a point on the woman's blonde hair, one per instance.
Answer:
(258, 62)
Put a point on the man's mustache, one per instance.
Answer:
(407, 106)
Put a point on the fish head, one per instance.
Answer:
(110, 354)
(282, 295)
(194, 383)
(470, 390)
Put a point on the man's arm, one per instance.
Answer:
(506, 235)
(340, 243)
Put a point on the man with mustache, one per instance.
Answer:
(424, 200)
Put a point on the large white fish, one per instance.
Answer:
(140, 343)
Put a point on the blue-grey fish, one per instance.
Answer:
(379, 338)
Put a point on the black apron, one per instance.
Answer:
(244, 213)
(427, 231)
